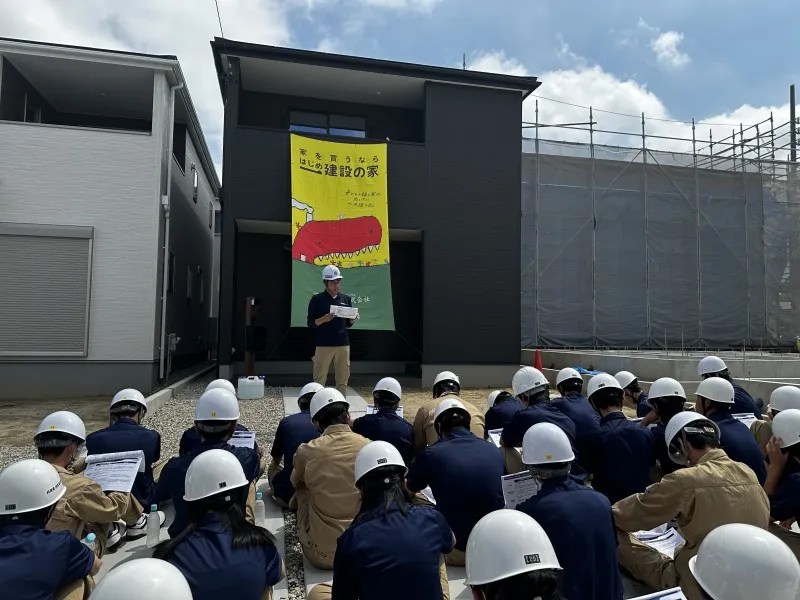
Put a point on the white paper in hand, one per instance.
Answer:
(345, 312)
(667, 543)
(746, 418)
(115, 472)
(518, 487)
(651, 533)
(243, 439)
(673, 594)
(494, 435)
(372, 409)
(428, 493)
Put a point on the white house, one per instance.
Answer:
(105, 178)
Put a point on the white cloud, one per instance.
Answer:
(414, 5)
(665, 47)
(497, 62)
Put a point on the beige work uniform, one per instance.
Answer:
(425, 433)
(762, 431)
(715, 492)
(86, 508)
(325, 493)
(340, 357)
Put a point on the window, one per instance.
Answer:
(33, 114)
(324, 124)
(189, 283)
(44, 307)
(179, 145)
(217, 221)
(171, 275)
(202, 294)
(195, 182)
(210, 214)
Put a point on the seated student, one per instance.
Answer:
(215, 418)
(325, 496)
(712, 491)
(782, 398)
(410, 566)
(463, 471)
(714, 400)
(385, 424)
(573, 403)
(531, 388)
(510, 557)
(292, 432)
(713, 366)
(576, 518)
(191, 438)
(125, 434)
(34, 562)
(667, 398)
(219, 552)
(772, 570)
(783, 474)
(502, 406)
(85, 507)
(633, 393)
(621, 454)
(445, 384)
(143, 578)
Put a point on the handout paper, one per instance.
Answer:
(371, 410)
(428, 493)
(494, 435)
(746, 418)
(518, 487)
(243, 439)
(673, 594)
(116, 471)
(667, 543)
(651, 533)
(345, 312)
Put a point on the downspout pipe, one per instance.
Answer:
(165, 205)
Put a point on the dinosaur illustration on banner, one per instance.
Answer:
(331, 242)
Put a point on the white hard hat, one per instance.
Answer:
(528, 379)
(625, 378)
(567, 374)
(326, 396)
(666, 387)
(681, 420)
(63, 421)
(217, 405)
(603, 381)
(127, 396)
(786, 425)
(446, 376)
(449, 403)
(213, 472)
(786, 396)
(149, 578)
(743, 562)
(389, 384)
(716, 389)
(545, 443)
(331, 273)
(311, 388)
(29, 485)
(377, 454)
(711, 364)
(223, 384)
(506, 543)
(494, 396)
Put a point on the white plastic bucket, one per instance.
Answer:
(250, 388)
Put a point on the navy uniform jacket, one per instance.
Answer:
(125, 436)
(643, 407)
(784, 504)
(334, 332)
(214, 569)
(191, 439)
(500, 415)
(577, 408)
(35, 563)
(293, 431)
(659, 431)
(386, 426)
(580, 525)
(172, 482)
(543, 412)
(743, 402)
(464, 473)
(620, 456)
(391, 557)
(739, 444)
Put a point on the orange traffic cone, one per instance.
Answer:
(537, 360)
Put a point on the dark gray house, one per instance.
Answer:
(454, 206)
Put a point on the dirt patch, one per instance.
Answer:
(21, 417)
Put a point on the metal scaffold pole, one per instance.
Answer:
(646, 231)
(699, 249)
(594, 231)
(536, 226)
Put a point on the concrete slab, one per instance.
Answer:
(358, 406)
(315, 575)
(274, 524)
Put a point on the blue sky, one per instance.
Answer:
(719, 61)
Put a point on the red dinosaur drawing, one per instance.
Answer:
(344, 238)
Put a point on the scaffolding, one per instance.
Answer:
(667, 242)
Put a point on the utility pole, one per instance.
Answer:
(793, 125)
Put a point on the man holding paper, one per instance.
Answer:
(330, 331)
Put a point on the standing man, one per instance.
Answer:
(331, 338)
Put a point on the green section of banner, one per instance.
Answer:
(370, 288)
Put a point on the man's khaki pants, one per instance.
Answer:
(340, 357)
